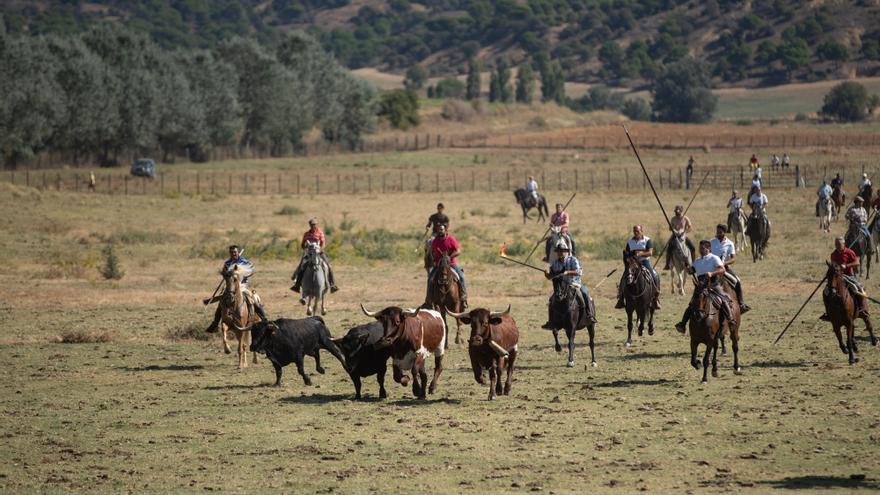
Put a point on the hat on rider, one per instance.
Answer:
(562, 246)
(313, 221)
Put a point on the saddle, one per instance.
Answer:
(589, 307)
(252, 299)
(716, 297)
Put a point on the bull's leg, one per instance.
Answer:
(556, 344)
(592, 332)
(493, 380)
(277, 374)
(398, 375)
(328, 344)
(438, 368)
(850, 341)
(510, 359)
(356, 380)
(570, 334)
(318, 367)
(380, 378)
(423, 377)
(298, 359)
(499, 387)
(478, 372)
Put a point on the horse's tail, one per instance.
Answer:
(544, 205)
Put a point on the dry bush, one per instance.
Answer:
(188, 331)
(458, 111)
(84, 337)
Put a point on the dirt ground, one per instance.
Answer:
(148, 411)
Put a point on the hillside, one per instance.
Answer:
(619, 42)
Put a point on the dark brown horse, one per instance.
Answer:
(866, 193)
(638, 295)
(565, 313)
(527, 202)
(444, 296)
(861, 244)
(708, 327)
(842, 311)
(758, 230)
(838, 195)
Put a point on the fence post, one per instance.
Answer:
(213, 183)
(370, 183)
(543, 186)
(508, 180)
(384, 176)
(178, 181)
(558, 179)
(576, 179)
(592, 180)
(669, 178)
(679, 179)
(198, 183)
(454, 182)
(109, 184)
(609, 178)
(58, 179)
(418, 175)
(229, 187)
(279, 183)
(401, 181)
(317, 184)
(27, 178)
(626, 178)
(473, 180)
(437, 182)
(338, 185)
(265, 187)
(490, 181)
(125, 180)
(44, 180)
(247, 188)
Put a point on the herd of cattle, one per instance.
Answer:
(407, 336)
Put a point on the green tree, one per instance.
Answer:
(505, 91)
(494, 87)
(525, 83)
(472, 89)
(214, 84)
(553, 83)
(636, 109)
(834, 51)
(401, 108)
(871, 49)
(794, 54)
(681, 93)
(847, 102)
(613, 59)
(415, 78)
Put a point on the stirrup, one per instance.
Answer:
(744, 308)
(620, 304)
(548, 326)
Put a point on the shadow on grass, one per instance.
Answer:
(651, 355)
(426, 402)
(779, 364)
(318, 399)
(630, 383)
(170, 367)
(823, 482)
(240, 386)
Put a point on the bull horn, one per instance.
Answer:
(496, 314)
(368, 313)
(337, 340)
(457, 315)
(410, 311)
(502, 352)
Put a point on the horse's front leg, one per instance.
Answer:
(706, 361)
(629, 327)
(224, 330)
(323, 309)
(556, 345)
(309, 303)
(850, 341)
(592, 331)
(715, 359)
(839, 336)
(571, 334)
(242, 350)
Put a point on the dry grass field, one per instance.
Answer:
(146, 404)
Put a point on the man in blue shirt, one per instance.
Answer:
(640, 247)
(566, 270)
(235, 258)
(824, 192)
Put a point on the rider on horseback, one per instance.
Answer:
(865, 182)
(724, 249)
(435, 221)
(532, 188)
(824, 192)
(680, 225)
(235, 258)
(315, 235)
(639, 249)
(858, 218)
(709, 270)
(836, 181)
(444, 243)
(559, 219)
(846, 259)
(567, 270)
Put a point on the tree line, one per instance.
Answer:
(108, 92)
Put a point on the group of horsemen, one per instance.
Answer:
(711, 268)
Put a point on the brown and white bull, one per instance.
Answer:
(412, 335)
(493, 345)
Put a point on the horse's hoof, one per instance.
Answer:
(320, 370)
(570, 364)
(874, 342)
(323, 312)
(714, 373)
(723, 352)
(593, 364)
(404, 381)
(695, 364)
(628, 343)
(704, 382)
(737, 371)
(558, 348)
(227, 351)
(650, 331)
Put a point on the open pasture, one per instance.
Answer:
(156, 408)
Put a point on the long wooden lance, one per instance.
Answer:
(548, 229)
(688, 207)
(802, 308)
(503, 255)
(648, 177)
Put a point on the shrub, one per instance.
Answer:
(636, 109)
(458, 111)
(681, 93)
(188, 331)
(289, 210)
(801, 117)
(449, 88)
(538, 123)
(84, 337)
(111, 269)
(847, 102)
(401, 108)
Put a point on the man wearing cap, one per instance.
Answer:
(858, 218)
(680, 225)
(445, 243)
(566, 269)
(725, 250)
(640, 247)
(708, 269)
(315, 235)
(559, 219)
(846, 259)
(235, 258)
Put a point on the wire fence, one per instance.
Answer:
(586, 178)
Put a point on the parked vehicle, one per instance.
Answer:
(144, 167)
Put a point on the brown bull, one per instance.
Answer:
(493, 345)
(412, 335)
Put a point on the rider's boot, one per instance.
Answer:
(464, 303)
(863, 308)
(620, 303)
(549, 325)
(655, 304)
(262, 313)
(214, 324)
(331, 279)
(680, 326)
(743, 307)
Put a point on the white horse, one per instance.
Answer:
(680, 257)
(736, 226)
(826, 209)
(314, 280)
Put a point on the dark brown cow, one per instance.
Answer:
(493, 345)
(412, 334)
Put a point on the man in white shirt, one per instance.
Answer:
(708, 268)
(725, 249)
(639, 248)
(532, 187)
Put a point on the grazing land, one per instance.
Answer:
(145, 404)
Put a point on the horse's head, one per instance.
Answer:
(312, 249)
(443, 269)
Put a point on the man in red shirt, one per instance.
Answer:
(846, 259)
(315, 235)
(444, 243)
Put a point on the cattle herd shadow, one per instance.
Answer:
(854, 482)
(170, 367)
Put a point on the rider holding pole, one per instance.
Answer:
(235, 258)
(639, 249)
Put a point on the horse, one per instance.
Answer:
(553, 237)
(680, 259)
(443, 295)
(736, 225)
(707, 328)
(236, 312)
(638, 294)
(874, 229)
(565, 313)
(866, 193)
(527, 202)
(428, 258)
(838, 195)
(758, 231)
(826, 209)
(314, 280)
(861, 244)
(842, 311)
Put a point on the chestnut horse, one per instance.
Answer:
(838, 195)
(842, 311)
(443, 295)
(236, 312)
(706, 325)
